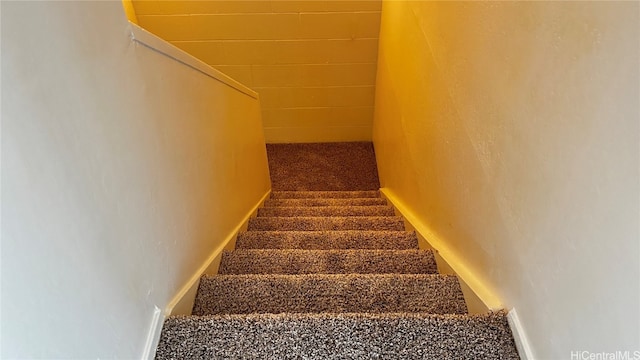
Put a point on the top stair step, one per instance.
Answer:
(324, 194)
(325, 202)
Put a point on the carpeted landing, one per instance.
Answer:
(323, 166)
(331, 275)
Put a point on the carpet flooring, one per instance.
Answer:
(325, 202)
(318, 223)
(330, 274)
(324, 194)
(327, 240)
(338, 336)
(295, 261)
(283, 211)
(323, 166)
(316, 293)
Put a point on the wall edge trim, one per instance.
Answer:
(159, 45)
(153, 337)
(482, 291)
(519, 336)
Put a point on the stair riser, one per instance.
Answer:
(243, 294)
(325, 202)
(328, 223)
(327, 262)
(334, 211)
(357, 336)
(324, 194)
(327, 240)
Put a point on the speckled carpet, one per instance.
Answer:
(323, 166)
(330, 275)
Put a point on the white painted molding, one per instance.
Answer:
(153, 337)
(477, 285)
(147, 39)
(519, 336)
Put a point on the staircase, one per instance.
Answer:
(331, 275)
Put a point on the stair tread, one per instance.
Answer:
(324, 194)
(300, 223)
(325, 240)
(338, 336)
(292, 211)
(240, 294)
(325, 202)
(295, 261)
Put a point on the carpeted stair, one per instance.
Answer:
(284, 211)
(325, 194)
(337, 336)
(327, 240)
(325, 202)
(296, 261)
(331, 275)
(315, 293)
(392, 223)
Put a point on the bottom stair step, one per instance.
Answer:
(337, 336)
(244, 294)
(295, 261)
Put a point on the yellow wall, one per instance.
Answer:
(510, 131)
(313, 62)
(123, 172)
(129, 11)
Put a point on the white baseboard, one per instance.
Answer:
(519, 336)
(153, 337)
(182, 302)
(474, 284)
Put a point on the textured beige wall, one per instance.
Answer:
(511, 130)
(122, 172)
(313, 62)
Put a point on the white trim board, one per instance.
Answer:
(519, 336)
(153, 337)
(186, 294)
